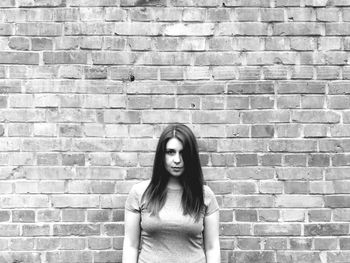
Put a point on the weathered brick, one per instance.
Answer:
(71, 256)
(296, 256)
(19, 58)
(319, 215)
(326, 229)
(277, 229)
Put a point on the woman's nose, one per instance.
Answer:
(177, 158)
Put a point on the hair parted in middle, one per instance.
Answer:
(191, 179)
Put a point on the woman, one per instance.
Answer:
(173, 216)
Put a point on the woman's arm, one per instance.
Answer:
(211, 238)
(131, 237)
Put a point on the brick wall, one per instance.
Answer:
(88, 85)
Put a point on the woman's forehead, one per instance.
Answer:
(174, 143)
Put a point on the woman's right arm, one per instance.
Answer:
(131, 237)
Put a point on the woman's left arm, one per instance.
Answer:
(211, 238)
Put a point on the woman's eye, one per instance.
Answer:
(170, 152)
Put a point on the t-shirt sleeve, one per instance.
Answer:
(210, 201)
(132, 203)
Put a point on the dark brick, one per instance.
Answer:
(262, 131)
(246, 215)
(326, 229)
(73, 159)
(247, 159)
(25, 216)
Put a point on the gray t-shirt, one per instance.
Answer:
(171, 237)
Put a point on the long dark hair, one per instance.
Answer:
(191, 180)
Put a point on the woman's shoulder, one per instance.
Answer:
(140, 187)
(207, 191)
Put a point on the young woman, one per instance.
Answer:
(173, 217)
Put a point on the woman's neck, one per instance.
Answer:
(174, 183)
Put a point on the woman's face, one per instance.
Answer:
(174, 163)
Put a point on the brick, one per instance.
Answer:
(171, 73)
(249, 73)
(197, 73)
(48, 215)
(298, 29)
(253, 256)
(218, 15)
(88, 28)
(277, 43)
(24, 216)
(107, 256)
(315, 116)
(91, 3)
(318, 160)
(5, 216)
(22, 244)
(241, 29)
(277, 229)
(76, 229)
(337, 29)
(229, 229)
(296, 256)
(295, 187)
(73, 215)
(326, 229)
(302, 72)
(344, 243)
(270, 187)
(271, 159)
(237, 102)
(246, 215)
(275, 72)
(167, 116)
(65, 58)
(272, 15)
(30, 257)
(31, 230)
(337, 201)
(338, 256)
(74, 201)
(38, 29)
(262, 102)
(296, 160)
(71, 256)
(299, 201)
(214, 117)
(28, 58)
(300, 14)
(300, 243)
(113, 58)
(213, 103)
(276, 243)
(248, 243)
(246, 14)
(98, 215)
(248, 201)
(99, 243)
(246, 160)
(8, 3)
(302, 87)
(72, 243)
(264, 116)
(19, 43)
(293, 215)
(288, 102)
(334, 145)
(337, 173)
(47, 244)
(338, 88)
